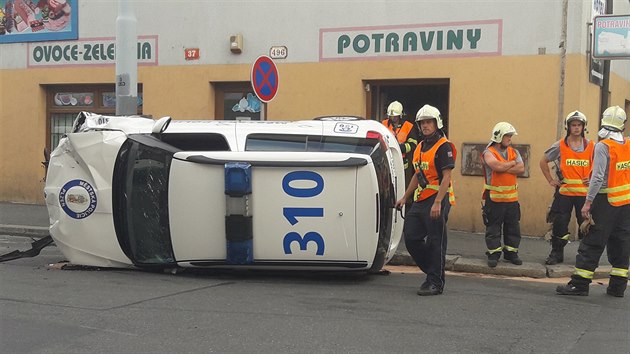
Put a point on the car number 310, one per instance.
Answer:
(293, 215)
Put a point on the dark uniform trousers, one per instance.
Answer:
(425, 238)
(504, 217)
(561, 213)
(611, 231)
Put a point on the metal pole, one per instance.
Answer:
(603, 103)
(563, 64)
(126, 60)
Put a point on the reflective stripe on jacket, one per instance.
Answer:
(502, 185)
(618, 188)
(426, 162)
(575, 166)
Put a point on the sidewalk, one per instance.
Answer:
(465, 251)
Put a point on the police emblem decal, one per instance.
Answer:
(78, 199)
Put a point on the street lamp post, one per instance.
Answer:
(126, 60)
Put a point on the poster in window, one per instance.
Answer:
(38, 20)
(471, 158)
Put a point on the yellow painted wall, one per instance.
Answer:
(522, 90)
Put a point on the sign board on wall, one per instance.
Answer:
(36, 21)
(611, 37)
(450, 39)
(91, 51)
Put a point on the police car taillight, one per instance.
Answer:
(378, 136)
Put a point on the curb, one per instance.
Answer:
(27, 231)
(457, 263)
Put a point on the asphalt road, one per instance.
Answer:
(47, 310)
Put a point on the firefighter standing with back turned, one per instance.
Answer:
(425, 223)
(608, 204)
(575, 156)
(407, 137)
(501, 210)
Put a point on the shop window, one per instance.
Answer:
(237, 101)
(65, 102)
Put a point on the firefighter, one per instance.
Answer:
(406, 134)
(573, 157)
(425, 223)
(501, 210)
(608, 204)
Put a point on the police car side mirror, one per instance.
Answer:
(160, 126)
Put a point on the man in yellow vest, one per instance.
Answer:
(405, 133)
(425, 223)
(608, 204)
(501, 210)
(573, 157)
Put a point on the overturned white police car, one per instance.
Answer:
(135, 192)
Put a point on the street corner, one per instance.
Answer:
(559, 270)
(527, 269)
(401, 258)
(566, 270)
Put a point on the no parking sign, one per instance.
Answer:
(264, 78)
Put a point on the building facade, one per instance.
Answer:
(479, 62)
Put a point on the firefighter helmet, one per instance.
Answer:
(501, 129)
(614, 118)
(575, 115)
(395, 109)
(429, 112)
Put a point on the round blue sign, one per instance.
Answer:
(264, 78)
(78, 199)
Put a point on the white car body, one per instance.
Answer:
(123, 194)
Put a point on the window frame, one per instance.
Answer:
(98, 108)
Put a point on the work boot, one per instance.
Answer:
(512, 257)
(571, 289)
(429, 290)
(616, 286)
(614, 292)
(493, 259)
(555, 257)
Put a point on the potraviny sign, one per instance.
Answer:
(92, 51)
(611, 37)
(450, 39)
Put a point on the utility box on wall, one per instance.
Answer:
(236, 43)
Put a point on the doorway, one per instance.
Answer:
(237, 101)
(413, 94)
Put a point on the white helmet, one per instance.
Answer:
(395, 109)
(575, 115)
(429, 112)
(501, 129)
(614, 118)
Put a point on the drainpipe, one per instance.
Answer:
(563, 64)
(126, 60)
(603, 103)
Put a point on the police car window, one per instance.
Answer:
(347, 144)
(140, 198)
(315, 143)
(196, 141)
(275, 142)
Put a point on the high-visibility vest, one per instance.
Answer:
(401, 134)
(426, 162)
(502, 186)
(575, 166)
(618, 188)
